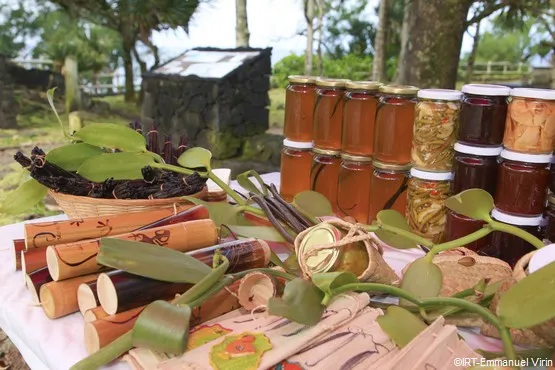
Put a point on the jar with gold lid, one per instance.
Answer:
(550, 219)
(299, 108)
(296, 160)
(359, 117)
(328, 113)
(353, 191)
(324, 174)
(388, 186)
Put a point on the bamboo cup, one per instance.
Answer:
(87, 297)
(256, 288)
(76, 259)
(18, 247)
(59, 298)
(35, 280)
(33, 260)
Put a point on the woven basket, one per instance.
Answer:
(81, 207)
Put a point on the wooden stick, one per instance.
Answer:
(35, 280)
(87, 297)
(18, 246)
(59, 298)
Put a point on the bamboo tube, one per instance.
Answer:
(76, 259)
(94, 314)
(35, 280)
(33, 260)
(87, 297)
(18, 247)
(256, 288)
(59, 298)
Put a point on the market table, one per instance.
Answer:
(58, 344)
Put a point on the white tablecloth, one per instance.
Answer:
(58, 344)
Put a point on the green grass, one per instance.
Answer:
(277, 108)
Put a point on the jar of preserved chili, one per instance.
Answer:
(353, 191)
(426, 212)
(296, 160)
(510, 248)
(436, 124)
(388, 188)
(550, 216)
(458, 226)
(359, 116)
(394, 124)
(522, 183)
(530, 124)
(475, 167)
(324, 174)
(483, 114)
(328, 113)
(299, 108)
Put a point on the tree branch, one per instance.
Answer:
(486, 12)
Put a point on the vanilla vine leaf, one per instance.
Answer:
(267, 233)
(222, 213)
(119, 166)
(301, 302)
(401, 325)
(422, 279)
(195, 158)
(245, 182)
(312, 203)
(395, 220)
(329, 281)
(112, 136)
(474, 203)
(70, 157)
(27, 195)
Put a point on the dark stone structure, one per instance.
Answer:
(8, 106)
(36, 79)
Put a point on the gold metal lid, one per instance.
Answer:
(302, 79)
(355, 158)
(363, 85)
(335, 153)
(399, 89)
(323, 260)
(331, 82)
(551, 198)
(393, 167)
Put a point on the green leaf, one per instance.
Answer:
(423, 279)
(109, 135)
(24, 197)
(401, 325)
(396, 220)
(529, 302)
(474, 203)
(50, 97)
(301, 302)
(204, 285)
(329, 281)
(195, 158)
(292, 265)
(247, 184)
(120, 166)
(71, 156)
(313, 203)
(267, 233)
(151, 261)
(222, 213)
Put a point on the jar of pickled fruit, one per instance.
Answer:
(394, 124)
(530, 124)
(353, 190)
(324, 174)
(458, 226)
(483, 114)
(299, 108)
(328, 113)
(522, 183)
(359, 115)
(388, 188)
(296, 161)
(508, 247)
(436, 124)
(475, 167)
(550, 218)
(426, 194)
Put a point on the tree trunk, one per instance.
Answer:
(472, 56)
(128, 45)
(142, 65)
(404, 40)
(378, 66)
(320, 4)
(436, 29)
(553, 69)
(241, 24)
(309, 16)
(71, 80)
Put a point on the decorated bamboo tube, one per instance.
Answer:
(35, 280)
(59, 298)
(18, 247)
(94, 314)
(42, 235)
(33, 260)
(87, 297)
(119, 291)
(76, 259)
(256, 288)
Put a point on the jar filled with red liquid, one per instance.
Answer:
(508, 247)
(475, 167)
(296, 160)
(359, 116)
(299, 108)
(522, 183)
(483, 114)
(328, 113)
(388, 189)
(550, 219)
(394, 124)
(324, 174)
(552, 175)
(353, 190)
(458, 226)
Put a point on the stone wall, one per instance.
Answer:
(36, 79)
(8, 106)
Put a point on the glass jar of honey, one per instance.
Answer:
(359, 116)
(299, 108)
(483, 114)
(328, 113)
(510, 248)
(522, 183)
(550, 216)
(353, 191)
(296, 161)
(394, 124)
(530, 124)
(436, 124)
(426, 194)
(324, 174)
(458, 226)
(552, 175)
(475, 167)
(388, 189)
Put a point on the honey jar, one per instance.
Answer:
(353, 191)
(324, 174)
(296, 160)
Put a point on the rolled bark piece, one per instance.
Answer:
(59, 298)
(256, 288)
(18, 247)
(76, 259)
(87, 297)
(35, 280)
(33, 260)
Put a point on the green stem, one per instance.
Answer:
(106, 354)
(460, 241)
(313, 220)
(253, 210)
(200, 288)
(407, 234)
(510, 229)
(371, 228)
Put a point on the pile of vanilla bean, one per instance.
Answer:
(167, 149)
